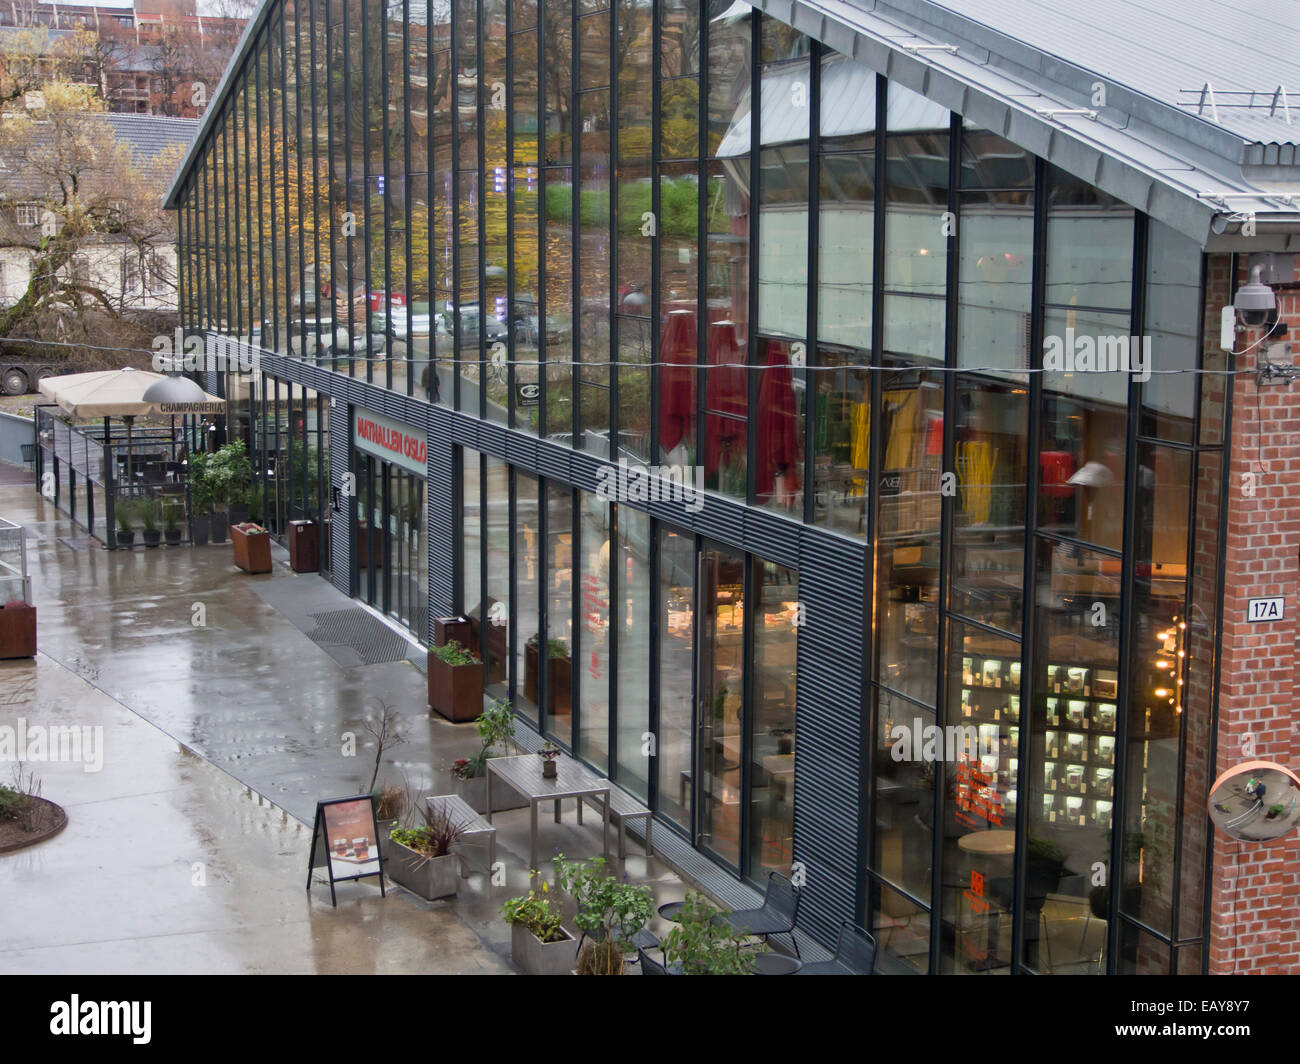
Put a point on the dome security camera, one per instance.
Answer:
(1255, 301)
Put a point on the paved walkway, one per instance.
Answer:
(187, 852)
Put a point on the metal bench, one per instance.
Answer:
(623, 807)
(474, 825)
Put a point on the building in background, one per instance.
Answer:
(158, 57)
(822, 418)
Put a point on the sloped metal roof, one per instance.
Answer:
(1168, 48)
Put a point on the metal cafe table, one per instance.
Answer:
(572, 780)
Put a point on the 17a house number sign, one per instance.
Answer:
(1265, 609)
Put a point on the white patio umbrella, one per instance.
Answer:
(128, 393)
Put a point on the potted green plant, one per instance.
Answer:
(171, 515)
(538, 944)
(123, 512)
(423, 858)
(392, 806)
(201, 497)
(496, 728)
(549, 753)
(610, 913)
(455, 682)
(149, 518)
(702, 944)
(232, 475)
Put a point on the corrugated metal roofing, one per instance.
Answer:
(1164, 48)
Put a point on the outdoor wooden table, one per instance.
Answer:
(572, 780)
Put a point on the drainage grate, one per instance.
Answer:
(371, 639)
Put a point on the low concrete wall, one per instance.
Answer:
(15, 431)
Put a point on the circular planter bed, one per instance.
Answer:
(50, 821)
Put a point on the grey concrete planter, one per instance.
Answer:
(474, 794)
(536, 957)
(438, 877)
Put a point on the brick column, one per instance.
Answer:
(1254, 919)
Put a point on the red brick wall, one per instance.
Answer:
(1254, 916)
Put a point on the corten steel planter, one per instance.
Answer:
(252, 550)
(455, 691)
(430, 878)
(536, 957)
(17, 630)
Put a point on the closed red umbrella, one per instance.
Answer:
(676, 378)
(778, 424)
(725, 393)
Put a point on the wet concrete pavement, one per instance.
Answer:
(187, 852)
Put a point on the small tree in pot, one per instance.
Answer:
(610, 913)
(123, 512)
(702, 944)
(149, 518)
(496, 729)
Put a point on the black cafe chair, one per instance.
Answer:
(855, 954)
(649, 966)
(776, 916)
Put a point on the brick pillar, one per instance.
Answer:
(1254, 920)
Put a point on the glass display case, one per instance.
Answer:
(15, 584)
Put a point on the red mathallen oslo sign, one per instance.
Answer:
(389, 440)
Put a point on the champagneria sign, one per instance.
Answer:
(387, 439)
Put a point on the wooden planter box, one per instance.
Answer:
(252, 552)
(438, 877)
(18, 631)
(536, 957)
(455, 691)
(559, 680)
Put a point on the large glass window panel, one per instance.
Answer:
(916, 242)
(442, 214)
(991, 452)
(676, 667)
(497, 536)
(904, 795)
(980, 743)
(467, 82)
(778, 457)
(908, 518)
(464, 321)
(557, 53)
(1068, 778)
(679, 256)
(471, 541)
(527, 595)
(559, 676)
(558, 304)
(1158, 682)
(1084, 425)
(1089, 246)
(525, 315)
(721, 700)
(419, 317)
(632, 572)
(634, 45)
(594, 271)
(1173, 311)
(902, 931)
(841, 412)
(593, 648)
(996, 245)
(496, 196)
(772, 746)
(846, 217)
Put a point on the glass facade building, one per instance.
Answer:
(783, 433)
